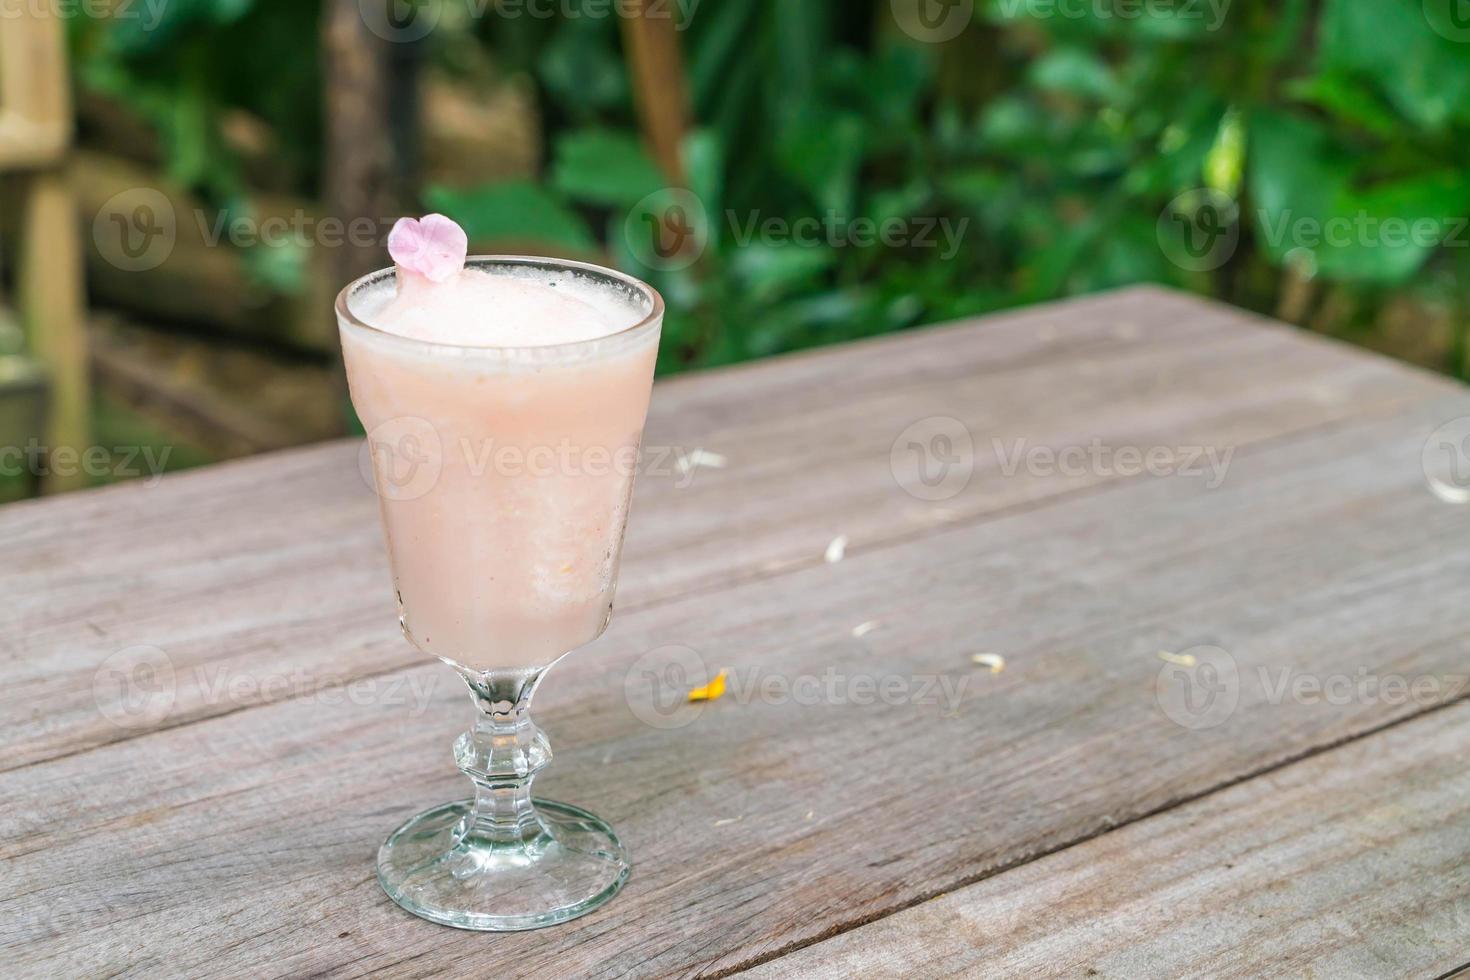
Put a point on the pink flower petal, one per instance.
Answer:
(434, 246)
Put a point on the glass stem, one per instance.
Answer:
(502, 754)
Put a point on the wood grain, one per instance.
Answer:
(241, 840)
(1353, 863)
(250, 565)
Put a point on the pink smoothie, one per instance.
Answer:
(504, 409)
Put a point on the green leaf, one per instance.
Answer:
(582, 71)
(1075, 71)
(893, 82)
(1351, 100)
(704, 166)
(1226, 159)
(768, 271)
(822, 152)
(1295, 172)
(513, 210)
(800, 34)
(605, 167)
(1308, 208)
(898, 202)
(716, 45)
(1390, 41)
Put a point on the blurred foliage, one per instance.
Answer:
(1060, 132)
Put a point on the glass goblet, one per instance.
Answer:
(504, 476)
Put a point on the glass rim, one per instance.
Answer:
(655, 313)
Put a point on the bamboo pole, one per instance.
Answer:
(660, 84)
(35, 133)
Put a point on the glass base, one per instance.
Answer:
(433, 870)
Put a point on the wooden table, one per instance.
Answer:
(1149, 787)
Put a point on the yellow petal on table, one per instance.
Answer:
(712, 691)
(1177, 659)
(994, 661)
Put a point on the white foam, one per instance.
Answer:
(510, 306)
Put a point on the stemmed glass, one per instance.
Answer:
(504, 477)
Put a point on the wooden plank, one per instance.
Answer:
(35, 132)
(35, 89)
(767, 824)
(1352, 863)
(299, 561)
(50, 293)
